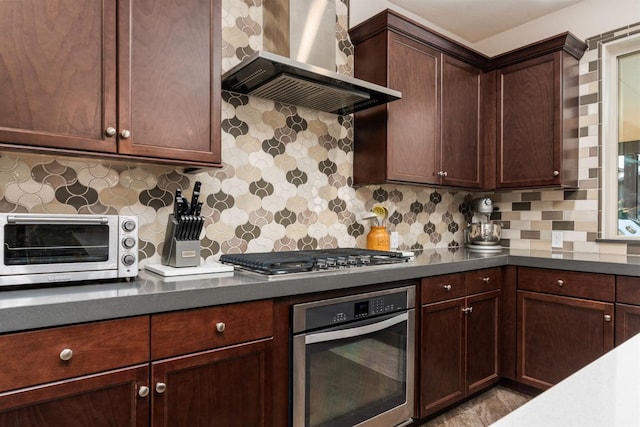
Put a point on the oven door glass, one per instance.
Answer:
(356, 372)
(29, 244)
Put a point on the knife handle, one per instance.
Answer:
(194, 198)
(199, 226)
(177, 203)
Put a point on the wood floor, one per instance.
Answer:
(482, 410)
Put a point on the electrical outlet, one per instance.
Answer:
(394, 240)
(556, 239)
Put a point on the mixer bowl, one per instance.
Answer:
(484, 233)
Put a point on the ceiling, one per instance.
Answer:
(475, 20)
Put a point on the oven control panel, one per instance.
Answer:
(357, 307)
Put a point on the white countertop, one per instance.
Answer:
(605, 393)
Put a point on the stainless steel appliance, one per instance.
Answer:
(353, 360)
(276, 264)
(51, 248)
(278, 78)
(300, 66)
(483, 235)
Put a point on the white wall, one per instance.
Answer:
(585, 19)
(361, 10)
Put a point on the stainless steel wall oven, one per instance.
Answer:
(353, 360)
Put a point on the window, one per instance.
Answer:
(621, 139)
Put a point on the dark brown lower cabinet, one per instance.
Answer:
(459, 349)
(627, 322)
(558, 335)
(108, 399)
(442, 355)
(627, 308)
(224, 387)
(483, 329)
(204, 367)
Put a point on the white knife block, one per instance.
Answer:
(179, 253)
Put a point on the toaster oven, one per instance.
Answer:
(53, 248)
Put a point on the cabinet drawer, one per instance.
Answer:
(483, 280)
(570, 283)
(37, 357)
(628, 290)
(440, 288)
(190, 331)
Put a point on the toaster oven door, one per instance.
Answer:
(36, 244)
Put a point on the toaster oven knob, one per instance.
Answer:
(129, 225)
(128, 259)
(128, 242)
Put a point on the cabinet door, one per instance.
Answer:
(169, 79)
(627, 322)
(461, 147)
(529, 123)
(558, 335)
(109, 399)
(442, 355)
(57, 73)
(226, 387)
(413, 152)
(483, 329)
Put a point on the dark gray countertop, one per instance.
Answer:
(150, 293)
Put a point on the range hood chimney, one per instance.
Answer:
(295, 67)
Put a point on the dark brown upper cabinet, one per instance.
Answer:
(537, 114)
(129, 80)
(431, 135)
(466, 120)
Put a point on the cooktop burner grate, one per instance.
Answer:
(277, 263)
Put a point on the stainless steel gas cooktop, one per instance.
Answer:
(280, 263)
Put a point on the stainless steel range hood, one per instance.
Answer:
(275, 77)
(292, 81)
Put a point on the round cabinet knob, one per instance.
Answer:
(110, 131)
(125, 133)
(486, 279)
(607, 318)
(560, 282)
(128, 259)
(220, 326)
(556, 173)
(129, 225)
(128, 242)
(447, 287)
(143, 391)
(161, 388)
(66, 354)
(444, 173)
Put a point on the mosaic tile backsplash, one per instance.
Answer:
(286, 180)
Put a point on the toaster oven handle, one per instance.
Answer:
(58, 219)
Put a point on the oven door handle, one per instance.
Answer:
(357, 331)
